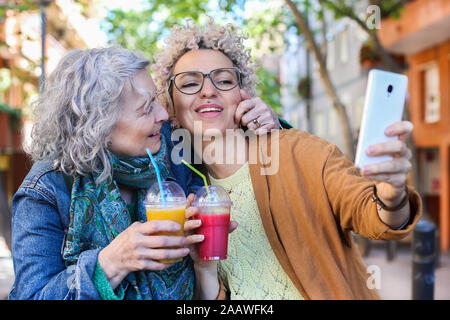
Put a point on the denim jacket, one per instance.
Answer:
(39, 224)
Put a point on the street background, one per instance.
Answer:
(395, 282)
(314, 57)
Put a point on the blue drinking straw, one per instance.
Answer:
(158, 174)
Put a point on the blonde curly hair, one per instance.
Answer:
(182, 39)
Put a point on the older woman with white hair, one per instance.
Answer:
(79, 229)
(79, 224)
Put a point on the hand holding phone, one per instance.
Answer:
(382, 153)
(385, 99)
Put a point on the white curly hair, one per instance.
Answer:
(79, 106)
(227, 39)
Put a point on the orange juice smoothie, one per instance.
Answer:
(176, 214)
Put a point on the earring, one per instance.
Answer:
(108, 145)
(174, 123)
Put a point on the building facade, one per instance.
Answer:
(420, 38)
(315, 113)
(68, 25)
(422, 34)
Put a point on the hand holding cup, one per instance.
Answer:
(191, 226)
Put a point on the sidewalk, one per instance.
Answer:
(396, 275)
(396, 282)
(6, 270)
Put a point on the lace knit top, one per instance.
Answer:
(251, 270)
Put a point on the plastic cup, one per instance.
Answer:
(170, 205)
(214, 212)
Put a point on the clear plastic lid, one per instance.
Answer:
(217, 197)
(172, 194)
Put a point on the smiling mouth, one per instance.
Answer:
(209, 110)
(156, 134)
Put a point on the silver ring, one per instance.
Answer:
(256, 123)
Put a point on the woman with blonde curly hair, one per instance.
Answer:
(294, 236)
(252, 113)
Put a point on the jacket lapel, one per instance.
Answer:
(261, 187)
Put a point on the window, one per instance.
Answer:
(333, 123)
(359, 108)
(343, 46)
(293, 118)
(5, 82)
(331, 54)
(315, 69)
(320, 126)
(431, 93)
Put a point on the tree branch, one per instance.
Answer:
(325, 77)
(350, 13)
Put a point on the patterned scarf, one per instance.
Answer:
(98, 214)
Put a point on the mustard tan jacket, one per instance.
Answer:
(310, 206)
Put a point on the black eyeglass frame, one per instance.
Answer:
(204, 75)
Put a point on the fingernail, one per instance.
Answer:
(199, 238)
(366, 171)
(186, 251)
(372, 150)
(389, 131)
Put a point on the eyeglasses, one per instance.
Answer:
(191, 82)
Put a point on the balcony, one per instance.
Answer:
(424, 24)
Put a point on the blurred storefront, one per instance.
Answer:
(68, 25)
(422, 34)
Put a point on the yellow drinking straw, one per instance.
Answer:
(199, 173)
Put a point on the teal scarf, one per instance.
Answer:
(98, 214)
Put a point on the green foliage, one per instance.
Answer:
(269, 89)
(19, 6)
(14, 114)
(267, 28)
(346, 8)
(5, 79)
(390, 8)
(141, 30)
(304, 87)
(368, 52)
(128, 29)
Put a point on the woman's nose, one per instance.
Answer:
(208, 90)
(160, 113)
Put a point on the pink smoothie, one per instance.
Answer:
(215, 229)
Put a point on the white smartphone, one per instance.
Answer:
(383, 106)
